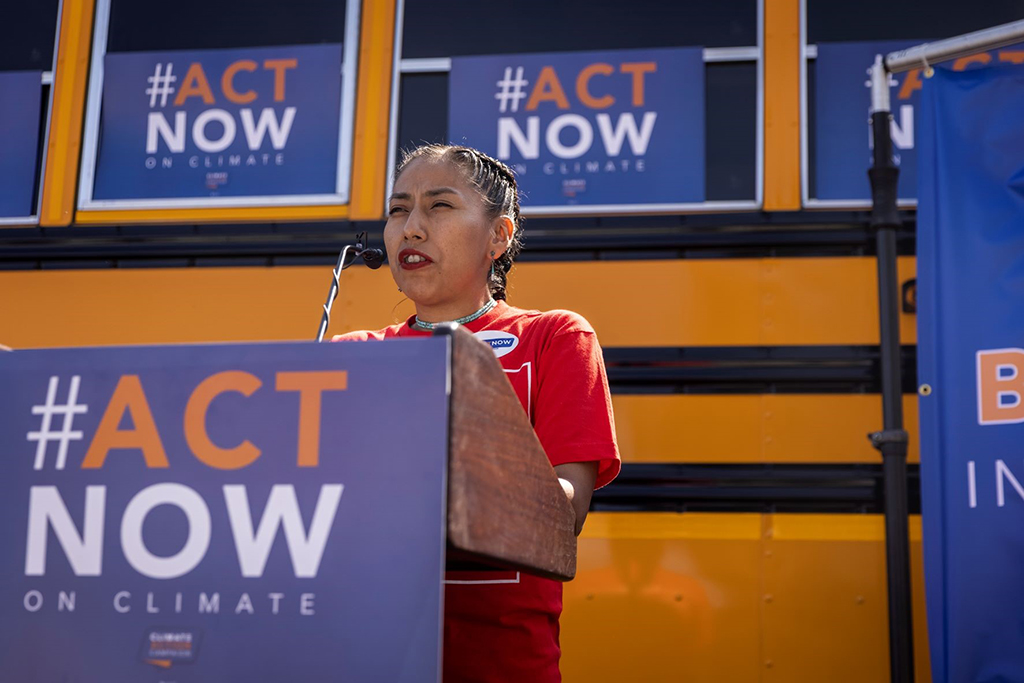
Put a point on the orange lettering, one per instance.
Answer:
(1013, 56)
(638, 69)
(911, 83)
(964, 62)
(547, 89)
(582, 91)
(195, 420)
(128, 397)
(227, 84)
(194, 84)
(310, 386)
(279, 66)
(1000, 374)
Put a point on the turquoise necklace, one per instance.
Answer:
(491, 303)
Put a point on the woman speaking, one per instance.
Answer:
(452, 233)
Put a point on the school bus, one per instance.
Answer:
(744, 538)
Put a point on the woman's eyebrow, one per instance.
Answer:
(441, 190)
(400, 195)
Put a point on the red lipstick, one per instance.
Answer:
(419, 259)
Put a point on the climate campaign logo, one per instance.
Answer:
(253, 536)
(245, 122)
(588, 128)
(208, 507)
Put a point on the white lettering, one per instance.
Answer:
(84, 552)
(554, 142)
(528, 144)
(33, 601)
(119, 604)
(279, 131)
(306, 604)
(626, 127)
(244, 604)
(186, 559)
(903, 132)
(209, 605)
(972, 488)
(1002, 471)
(157, 125)
(282, 509)
(199, 131)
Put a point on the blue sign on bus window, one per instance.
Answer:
(255, 122)
(588, 129)
(20, 102)
(842, 104)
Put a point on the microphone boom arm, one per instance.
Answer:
(325, 319)
(373, 258)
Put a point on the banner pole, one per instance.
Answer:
(892, 440)
(957, 46)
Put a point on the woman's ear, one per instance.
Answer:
(504, 230)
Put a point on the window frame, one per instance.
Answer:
(747, 54)
(90, 148)
(809, 53)
(47, 80)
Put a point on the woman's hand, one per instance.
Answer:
(577, 480)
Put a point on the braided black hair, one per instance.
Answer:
(497, 187)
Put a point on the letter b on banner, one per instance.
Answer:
(1000, 386)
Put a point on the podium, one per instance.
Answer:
(505, 506)
(259, 511)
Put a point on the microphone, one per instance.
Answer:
(373, 258)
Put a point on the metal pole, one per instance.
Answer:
(957, 46)
(892, 440)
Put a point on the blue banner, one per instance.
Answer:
(20, 102)
(970, 227)
(842, 103)
(587, 129)
(257, 512)
(254, 122)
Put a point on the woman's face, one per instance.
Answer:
(439, 240)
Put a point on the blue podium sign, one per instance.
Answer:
(258, 512)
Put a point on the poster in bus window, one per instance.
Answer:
(842, 102)
(587, 129)
(249, 122)
(20, 102)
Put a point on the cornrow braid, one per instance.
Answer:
(496, 184)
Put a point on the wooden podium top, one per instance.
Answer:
(505, 504)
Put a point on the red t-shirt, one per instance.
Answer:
(503, 626)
